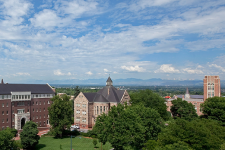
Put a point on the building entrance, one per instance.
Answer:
(23, 120)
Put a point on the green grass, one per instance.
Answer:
(51, 143)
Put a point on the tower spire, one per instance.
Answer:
(2, 82)
(109, 81)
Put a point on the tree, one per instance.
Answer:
(214, 108)
(197, 134)
(6, 141)
(128, 126)
(29, 137)
(94, 142)
(76, 91)
(183, 109)
(151, 100)
(60, 113)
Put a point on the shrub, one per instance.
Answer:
(84, 134)
(95, 142)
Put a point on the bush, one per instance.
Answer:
(92, 134)
(95, 142)
(84, 134)
(14, 132)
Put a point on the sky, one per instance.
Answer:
(89, 39)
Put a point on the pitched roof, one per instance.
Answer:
(107, 94)
(187, 91)
(109, 79)
(34, 88)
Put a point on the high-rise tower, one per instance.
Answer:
(211, 85)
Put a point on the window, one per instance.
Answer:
(100, 109)
(28, 96)
(33, 118)
(20, 103)
(13, 111)
(19, 96)
(22, 96)
(48, 95)
(25, 96)
(36, 95)
(12, 104)
(78, 105)
(97, 109)
(48, 102)
(78, 111)
(2, 120)
(84, 112)
(36, 103)
(16, 96)
(78, 119)
(28, 110)
(40, 110)
(40, 123)
(6, 104)
(2, 104)
(7, 120)
(2, 112)
(40, 117)
(44, 102)
(36, 117)
(2, 96)
(40, 103)
(28, 103)
(84, 120)
(12, 119)
(44, 115)
(84, 105)
(104, 108)
(20, 111)
(37, 110)
(33, 109)
(33, 103)
(44, 109)
(39, 95)
(7, 112)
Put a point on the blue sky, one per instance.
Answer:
(90, 39)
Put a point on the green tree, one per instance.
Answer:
(214, 108)
(29, 137)
(60, 113)
(150, 145)
(183, 109)
(128, 126)
(151, 100)
(198, 134)
(6, 141)
(94, 142)
(76, 91)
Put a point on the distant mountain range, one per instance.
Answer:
(130, 82)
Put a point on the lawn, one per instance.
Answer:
(78, 143)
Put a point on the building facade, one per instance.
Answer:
(20, 103)
(211, 86)
(87, 106)
(196, 100)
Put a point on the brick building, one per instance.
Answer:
(87, 106)
(196, 100)
(211, 86)
(20, 103)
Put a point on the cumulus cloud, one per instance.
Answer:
(89, 73)
(167, 68)
(133, 68)
(218, 67)
(59, 73)
(193, 71)
(106, 70)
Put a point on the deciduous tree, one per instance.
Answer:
(29, 137)
(150, 100)
(60, 113)
(6, 141)
(183, 109)
(214, 108)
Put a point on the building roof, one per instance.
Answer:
(187, 91)
(34, 88)
(108, 94)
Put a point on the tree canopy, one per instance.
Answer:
(214, 108)
(198, 134)
(60, 114)
(6, 141)
(151, 100)
(29, 137)
(183, 109)
(128, 126)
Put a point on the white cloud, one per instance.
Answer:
(167, 68)
(22, 74)
(89, 73)
(133, 68)
(106, 70)
(193, 71)
(59, 73)
(218, 67)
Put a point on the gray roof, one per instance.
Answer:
(34, 88)
(109, 79)
(102, 95)
(192, 96)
